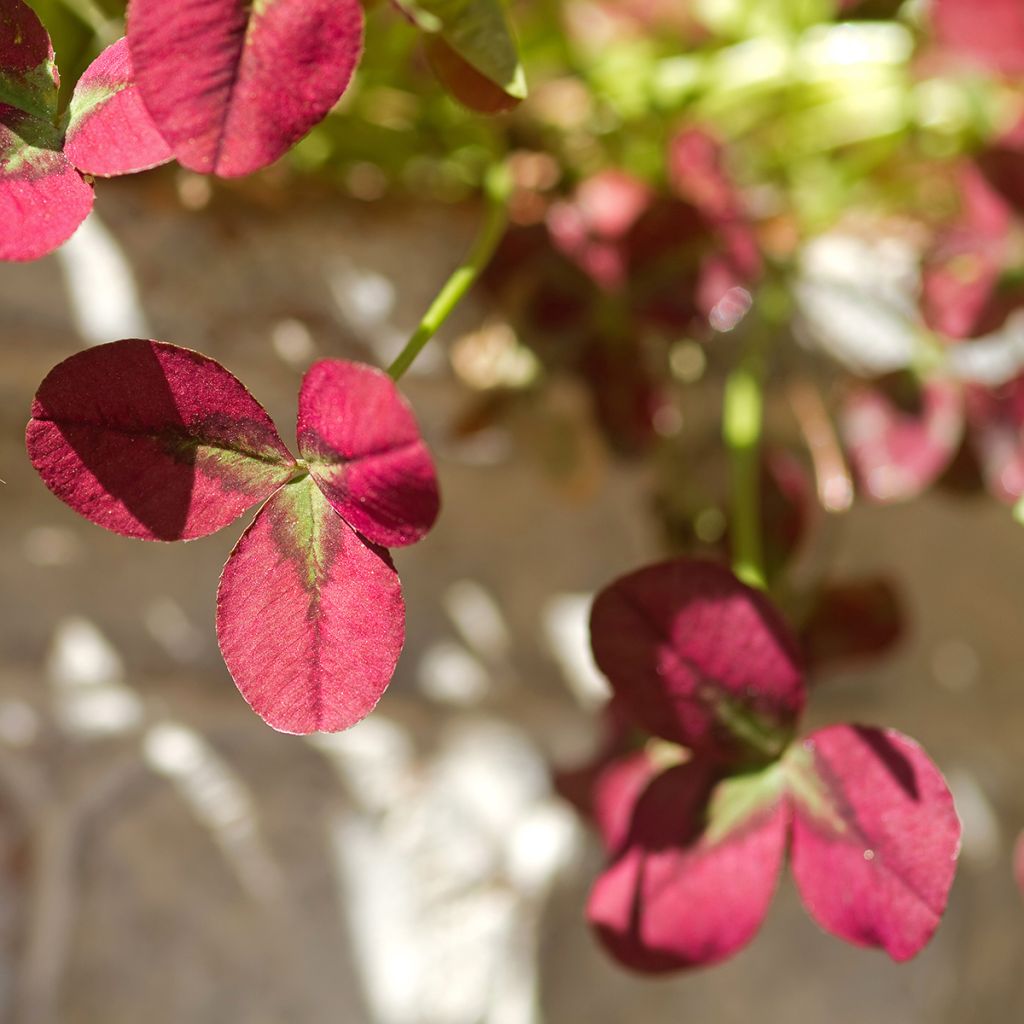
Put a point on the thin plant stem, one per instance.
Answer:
(742, 414)
(497, 186)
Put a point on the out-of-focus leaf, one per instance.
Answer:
(898, 453)
(991, 33)
(963, 267)
(476, 32)
(996, 417)
(700, 659)
(875, 837)
(697, 870)
(850, 621)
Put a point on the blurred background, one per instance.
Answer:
(835, 185)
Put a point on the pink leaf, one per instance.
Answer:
(699, 659)
(42, 198)
(310, 617)
(995, 40)
(592, 226)
(875, 837)
(364, 450)
(110, 131)
(616, 790)
(899, 452)
(851, 621)
(232, 85)
(698, 871)
(153, 441)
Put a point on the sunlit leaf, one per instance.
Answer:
(233, 84)
(310, 617)
(364, 450)
(109, 130)
(153, 441)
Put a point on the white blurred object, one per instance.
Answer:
(442, 887)
(171, 627)
(219, 799)
(52, 546)
(105, 303)
(991, 359)
(857, 300)
(982, 837)
(450, 674)
(87, 677)
(566, 625)
(480, 622)
(367, 300)
(293, 342)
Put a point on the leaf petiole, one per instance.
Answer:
(742, 412)
(497, 186)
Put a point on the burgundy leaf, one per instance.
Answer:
(591, 228)
(698, 871)
(700, 659)
(42, 198)
(696, 170)
(875, 837)
(153, 441)
(993, 36)
(364, 450)
(850, 621)
(899, 452)
(310, 617)
(697, 173)
(232, 85)
(110, 131)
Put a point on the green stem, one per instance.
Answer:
(742, 413)
(497, 186)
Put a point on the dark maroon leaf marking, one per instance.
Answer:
(153, 441)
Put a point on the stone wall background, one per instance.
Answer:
(165, 857)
